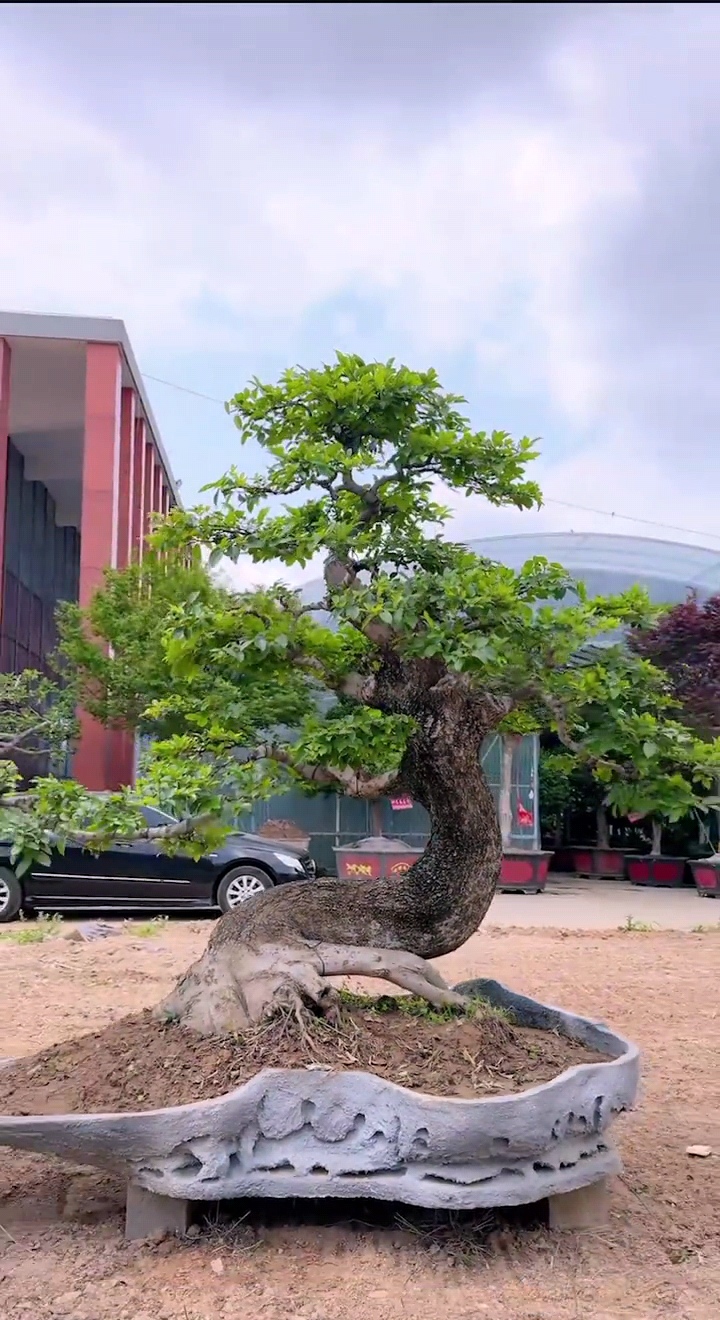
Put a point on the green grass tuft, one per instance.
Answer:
(416, 1006)
(35, 932)
(639, 926)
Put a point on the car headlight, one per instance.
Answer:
(293, 863)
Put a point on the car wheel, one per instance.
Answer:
(11, 895)
(241, 884)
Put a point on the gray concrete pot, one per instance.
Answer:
(314, 1132)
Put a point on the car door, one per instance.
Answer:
(126, 875)
(117, 877)
(182, 881)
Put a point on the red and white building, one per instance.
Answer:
(82, 471)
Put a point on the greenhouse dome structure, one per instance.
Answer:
(609, 564)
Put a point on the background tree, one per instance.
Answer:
(685, 642)
(114, 654)
(37, 722)
(643, 761)
(565, 785)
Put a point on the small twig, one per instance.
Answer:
(8, 1235)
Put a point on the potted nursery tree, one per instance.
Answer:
(646, 765)
(433, 650)
(523, 869)
(566, 785)
(685, 643)
(664, 778)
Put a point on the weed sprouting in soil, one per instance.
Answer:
(147, 930)
(638, 927)
(35, 932)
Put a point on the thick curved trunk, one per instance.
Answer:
(280, 947)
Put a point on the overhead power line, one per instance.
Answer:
(565, 504)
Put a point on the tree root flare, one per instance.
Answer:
(234, 987)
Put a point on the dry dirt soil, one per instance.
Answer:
(61, 1248)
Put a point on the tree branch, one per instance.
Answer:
(178, 829)
(353, 782)
(16, 743)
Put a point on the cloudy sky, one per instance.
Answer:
(524, 196)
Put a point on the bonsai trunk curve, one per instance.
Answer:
(280, 948)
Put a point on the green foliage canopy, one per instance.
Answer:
(361, 461)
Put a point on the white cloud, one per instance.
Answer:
(271, 214)
(481, 233)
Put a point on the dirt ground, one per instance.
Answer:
(61, 1248)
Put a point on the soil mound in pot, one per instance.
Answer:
(139, 1064)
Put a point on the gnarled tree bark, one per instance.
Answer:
(281, 947)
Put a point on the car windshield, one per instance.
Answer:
(155, 818)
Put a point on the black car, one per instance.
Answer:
(138, 875)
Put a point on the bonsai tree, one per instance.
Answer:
(431, 649)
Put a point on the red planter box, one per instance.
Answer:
(657, 872)
(607, 862)
(365, 862)
(706, 875)
(524, 872)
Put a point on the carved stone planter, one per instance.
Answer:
(315, 1133)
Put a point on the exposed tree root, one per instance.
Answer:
(403, 969)
(233, 987)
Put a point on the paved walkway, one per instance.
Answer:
(603, 905)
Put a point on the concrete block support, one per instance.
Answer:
(148, 1215)
(586, 1207)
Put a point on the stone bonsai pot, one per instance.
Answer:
(317, 1132)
